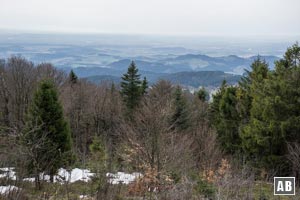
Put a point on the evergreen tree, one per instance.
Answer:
(225, 118)
(180, 116)
(131, 88)
(73, 77)
(244, 98)
(287, 99)
(47, 133)
(272, 109)
(202, 94)
(214, 114)
(257, 74)
(291, 57)
(144, 86)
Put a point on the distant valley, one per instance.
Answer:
(187, 79)
(106, 59)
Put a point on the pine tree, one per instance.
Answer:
(131, 88)
(47, 133)
(180, 116)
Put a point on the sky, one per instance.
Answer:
(162, 17)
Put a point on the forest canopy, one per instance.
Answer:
(184, 146)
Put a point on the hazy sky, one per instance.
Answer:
(204, 17)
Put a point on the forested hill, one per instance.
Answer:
(194, 79)
(202, 78)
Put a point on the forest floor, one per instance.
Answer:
(82, 184)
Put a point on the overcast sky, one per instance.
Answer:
(178, 17)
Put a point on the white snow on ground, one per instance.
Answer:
(8, 172)
(83, 196)
(122, 178)
(7, 189)
(76, 174)
(64, 176)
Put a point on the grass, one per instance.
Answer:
(72, 191)
(264, 190)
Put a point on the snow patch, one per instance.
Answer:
(71, 176)
(62, 176)
(122, 178)
(67, 176)
(74, 175)
(8, 172)
(7, 189)
(83, 196)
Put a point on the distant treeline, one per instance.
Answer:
(189, 78)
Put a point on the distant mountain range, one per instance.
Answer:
(188, 79)
(194, 62)
(98, 62)
(190, 70)
(189, 62)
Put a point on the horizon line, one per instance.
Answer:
(206, 34)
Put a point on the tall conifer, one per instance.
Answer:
(47, 133)
(131, 88)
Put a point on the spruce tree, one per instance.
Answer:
(131, 88)
(47, 133)
(244, 98)
(225, 118)
(202, 94)
(252, 79)
(73, 77)
(275, 115)
(180, 115)
(144, 86)
(261, 138)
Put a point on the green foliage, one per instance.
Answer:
(225, 118)
(248, 85)
(132, 88)
(98, 150)
(202, 94)
(73, 77)
(47, 134)
(250, 102)
(180, 116)
(144, 86)
(176, 177)
(274, 115)
(291, 58)
(205, 188)
(98, 163)
(244, 99)
(262, 114)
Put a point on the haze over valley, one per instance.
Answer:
(105, 57)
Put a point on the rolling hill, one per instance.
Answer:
(193, 79)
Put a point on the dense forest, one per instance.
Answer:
(181, 145)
